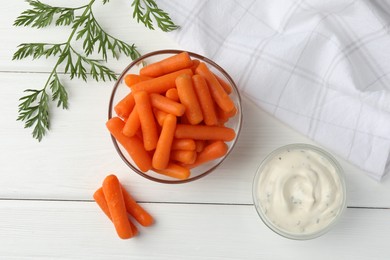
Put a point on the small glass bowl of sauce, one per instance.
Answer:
(299, 191)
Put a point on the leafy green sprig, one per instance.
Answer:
(34, 106)
(145, 10)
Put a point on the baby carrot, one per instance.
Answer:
(133, 228)
(159, 115)
(224, 116)
(183, 156)
(101, 201)
(132, 124)
(189, 99)
(116, 205)
(199, 145)
(160, 84)
(148, 124)
(172, 94)
(204, 132)
(161, 155)
(125, 106)
(205, 100)
(195, 64)
(99, 198)
(135, 210)
(216, 90)
(226, 86)
(175, 171)
(131, 79)
(167, 105)
(133, 145)
(211, 152)
(183, 144)
(173, 63)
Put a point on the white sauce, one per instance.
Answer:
(300, 191)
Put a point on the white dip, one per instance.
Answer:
(299, 191)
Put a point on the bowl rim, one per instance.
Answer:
(340, 174)
(192, 54)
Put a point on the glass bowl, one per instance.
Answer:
(120, 90)
(299, 191)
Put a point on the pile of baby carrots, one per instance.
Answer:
(173, 118)
(117, 203)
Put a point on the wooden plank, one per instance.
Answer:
(63, 230)
(71, 162)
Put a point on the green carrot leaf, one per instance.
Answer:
(74, 61)
(147, 10)
(59, 93)
(34, 110)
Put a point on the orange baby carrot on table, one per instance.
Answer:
(205, 100)
(116, 205)
(161, 155)
(204, 132)
(189, 99)
(211, 152)
(183, 156)
(132, 124)
(135, 210)
(173, 63)
(160, 84)
(183, 144)
(133, 228)
(167, 105)
(159, 115)
(172, 94)
(175, 171)
(146, 117)
(125, 106)
(216, 90)
(133, 145)
(131, 79)
(101, 201)
(226, 86)
(99, 198)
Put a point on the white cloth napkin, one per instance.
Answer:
(322, 67)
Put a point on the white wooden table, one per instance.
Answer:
(46, 206)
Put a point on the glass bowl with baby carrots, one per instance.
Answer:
(174, 116)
